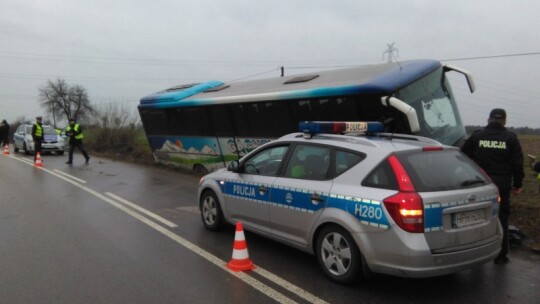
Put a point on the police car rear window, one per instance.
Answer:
(442, 170)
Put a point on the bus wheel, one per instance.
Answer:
(211, 214)
(338, 254)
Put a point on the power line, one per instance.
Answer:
(492, 56)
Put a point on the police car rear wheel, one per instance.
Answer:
(211, 214)
(338, 254)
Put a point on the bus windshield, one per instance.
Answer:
(436, 108)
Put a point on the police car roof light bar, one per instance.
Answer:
(340, 127)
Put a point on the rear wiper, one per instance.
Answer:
(471, 182)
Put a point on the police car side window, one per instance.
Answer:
(309, 162)
(381, 177)
(345, 160)
(266, 162)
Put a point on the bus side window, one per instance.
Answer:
(221, 121)
(196, 122)
(155, 122)
(305, 110)
(240, 120)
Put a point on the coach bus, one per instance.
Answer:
(204, 126)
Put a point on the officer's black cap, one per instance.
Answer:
(498, 114)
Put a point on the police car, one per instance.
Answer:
(365, 202)
(52, 141)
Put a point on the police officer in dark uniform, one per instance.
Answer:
(499, 153)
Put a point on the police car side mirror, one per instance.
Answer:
(234, 166)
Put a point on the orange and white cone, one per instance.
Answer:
(6, 150)
(240, 257)
(38, 162)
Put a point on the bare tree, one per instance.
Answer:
(59, 98)
(116, 116)
(116, 126)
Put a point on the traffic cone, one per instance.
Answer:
(38, 162)
(240, 257)
(6, 150)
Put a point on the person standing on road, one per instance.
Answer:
(37, 136)
(74, 131)
(499, 153)
(4, 133)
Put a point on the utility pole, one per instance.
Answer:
(390, 51)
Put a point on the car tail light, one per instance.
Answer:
(406, 207)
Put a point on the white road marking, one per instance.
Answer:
(258, 285)
(142, 210)
(22, 159)
(70, 176)
(191, 209)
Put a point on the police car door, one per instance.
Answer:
(248, 192)
(298, 198)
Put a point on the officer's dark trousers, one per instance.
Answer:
(504, 184)
(37, 148)
(77, 144)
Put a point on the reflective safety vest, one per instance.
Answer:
(39, 131)
(76, 129)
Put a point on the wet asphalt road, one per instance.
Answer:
(69, 234)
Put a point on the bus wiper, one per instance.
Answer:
(471, 182)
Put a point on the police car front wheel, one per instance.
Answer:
(211, 214)
(338, 254)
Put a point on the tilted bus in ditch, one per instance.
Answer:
(204, 126)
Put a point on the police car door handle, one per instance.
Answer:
(262, 190)
(316, 198)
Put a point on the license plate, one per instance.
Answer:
(463, 219)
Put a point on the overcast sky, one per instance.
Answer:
(121, 51)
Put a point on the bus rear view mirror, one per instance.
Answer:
(468, 76)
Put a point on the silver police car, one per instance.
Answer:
(52, 140)
(374, 202)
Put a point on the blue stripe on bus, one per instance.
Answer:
(385, 83)
(401, 75)
(287, 95)
(174, 96)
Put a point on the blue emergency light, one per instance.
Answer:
(340, 127)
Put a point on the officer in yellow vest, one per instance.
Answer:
(74, 131)
(37, 136)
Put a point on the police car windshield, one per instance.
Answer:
(47, 130)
